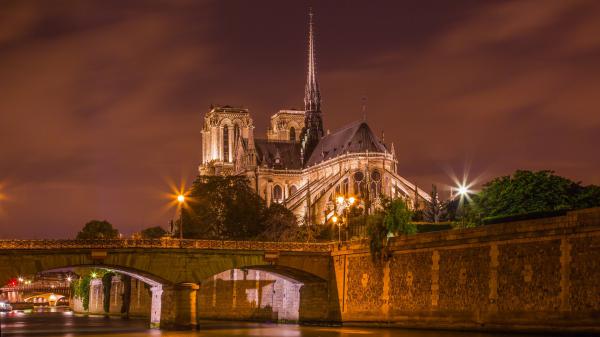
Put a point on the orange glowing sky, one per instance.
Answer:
(101, 102)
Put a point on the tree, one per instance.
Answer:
(223, 208)
(96, 229)
(528, 191)
(434, 209)
(155, 232)
(397, 217)
(280, 225)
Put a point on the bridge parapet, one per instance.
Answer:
(168, 244)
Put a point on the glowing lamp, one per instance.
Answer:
(334, 219)
(340, 200)
(180, 198)
(351, 200)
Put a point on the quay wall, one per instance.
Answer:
(541, 274)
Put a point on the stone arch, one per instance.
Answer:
(157, 285)
(278, 193)
(264, 292)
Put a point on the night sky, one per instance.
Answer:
(101, 102)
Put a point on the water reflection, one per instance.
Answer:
(66, 323)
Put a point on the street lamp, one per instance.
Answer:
(181, 200)
(334, 219)
(343, 204)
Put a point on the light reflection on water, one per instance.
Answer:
(67, 324)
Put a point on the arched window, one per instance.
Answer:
(277, 194)
(236, 132)
(375, 184)
(358, 183)
(225, 143)
(345, 186)
(292, 134)
(293, 189)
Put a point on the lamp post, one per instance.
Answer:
(181, 200)
(463, 192)
(343, 204)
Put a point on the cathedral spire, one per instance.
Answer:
(313, 124)
(312, 96)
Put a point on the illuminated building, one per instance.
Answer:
(298, 164)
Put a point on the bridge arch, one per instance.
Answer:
(175, 268)
(264, 293)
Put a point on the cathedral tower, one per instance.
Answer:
(313, 123)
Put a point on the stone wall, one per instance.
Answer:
(249, 295)
(139, 305)
(530, 275)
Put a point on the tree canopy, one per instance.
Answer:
(226, 207)
(533, 191)
(155, 232)
(96, 229)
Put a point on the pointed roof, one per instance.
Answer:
(312, 96)
(353, 138)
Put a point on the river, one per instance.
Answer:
(68, 324)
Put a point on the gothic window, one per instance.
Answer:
(375, 184)
(374, 192)
(376, 176)
(293, 189)
(358, 183)
(236, 132)
(277, 194)
(345, 186)
(292, 134)
(225, 143)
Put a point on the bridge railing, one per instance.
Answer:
(165, 243)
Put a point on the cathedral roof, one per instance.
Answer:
(353, 138)
(278, 154)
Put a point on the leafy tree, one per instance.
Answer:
(96, 229)
(155, 232)
(588, 196)
(397, 217)
(223, 208)
(528, 191)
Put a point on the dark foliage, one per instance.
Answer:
(223, 208)
(126, 296)
(156, 232)
(97, 229)
(106, 287)
(529, 192)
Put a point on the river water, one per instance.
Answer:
(68, 324)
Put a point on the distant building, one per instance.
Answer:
(300, 166)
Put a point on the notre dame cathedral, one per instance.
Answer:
(300, 166)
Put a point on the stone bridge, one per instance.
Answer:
(174, 269)
(530, 275)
